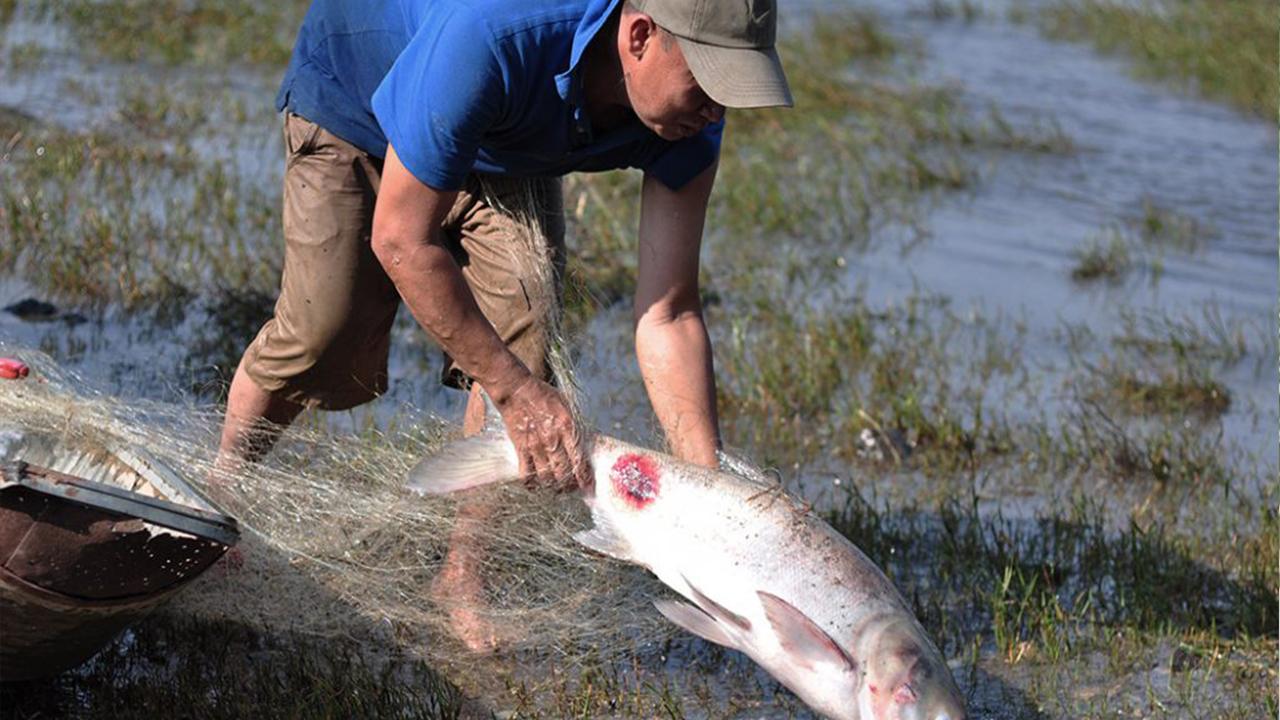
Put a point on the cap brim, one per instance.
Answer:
(738, 77)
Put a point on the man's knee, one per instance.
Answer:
(326, 364)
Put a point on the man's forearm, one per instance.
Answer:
(432, 285)
(408, 241)
(675, 361)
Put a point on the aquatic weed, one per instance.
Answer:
(1103, 257)
(1223, 50)
(180, 31)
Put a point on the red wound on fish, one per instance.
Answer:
(635, 478)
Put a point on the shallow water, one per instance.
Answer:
(1004, 249)
(1007, 247)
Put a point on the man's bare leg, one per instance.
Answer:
(255, 418)
(459, 587)
(253, 423)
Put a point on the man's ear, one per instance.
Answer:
(640, 30)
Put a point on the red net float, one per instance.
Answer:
(11, 369)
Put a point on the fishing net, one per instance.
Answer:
(334, 546)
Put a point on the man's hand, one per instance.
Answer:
(548, 442)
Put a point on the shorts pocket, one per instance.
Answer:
(300, 136)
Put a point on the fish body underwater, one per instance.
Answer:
(760, 572)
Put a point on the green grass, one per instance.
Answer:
(237, 672)
(1103, 257)
(25, 57)
(908, 379)
(1162, 366)
(96, 221)
(864, 153)
(1180, 385)
(1167, 228)
(182, 31)
(1092, 438)
(1145, 404)
(914, 388)
(1037, 603)
(1141, 552)
(153, 112)
(1045, 599)
(1205, 338)
(1172, 393)
(1143, 240)
(864, 148)
(1222, 49)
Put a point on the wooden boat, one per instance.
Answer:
(91, 538)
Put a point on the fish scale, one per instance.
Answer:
(759, 572)
(744, 511)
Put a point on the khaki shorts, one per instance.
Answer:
(327, 344)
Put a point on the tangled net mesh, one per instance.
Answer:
(333, 546)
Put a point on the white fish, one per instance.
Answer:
(761, 573)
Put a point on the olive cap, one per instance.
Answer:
(730, 47)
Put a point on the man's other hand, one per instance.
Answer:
(547, 440)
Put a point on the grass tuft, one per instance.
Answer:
(867, 385)
(216, 670)
(1171, 393)
(182, 31)
(159, 227)
(1172, 453)
(966, 10)
(1143, 240)
(1222, 49)
(1164, 227)
(1103, 257)
(1160, 365)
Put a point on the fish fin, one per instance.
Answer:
(801, 638)
(716, 610)
(492, 418)
(605, 539)
(470, 462)
(693, 619)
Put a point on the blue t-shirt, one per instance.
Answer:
(471, 85)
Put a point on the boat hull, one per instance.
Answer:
(82, 560)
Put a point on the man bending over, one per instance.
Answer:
(413, 127)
